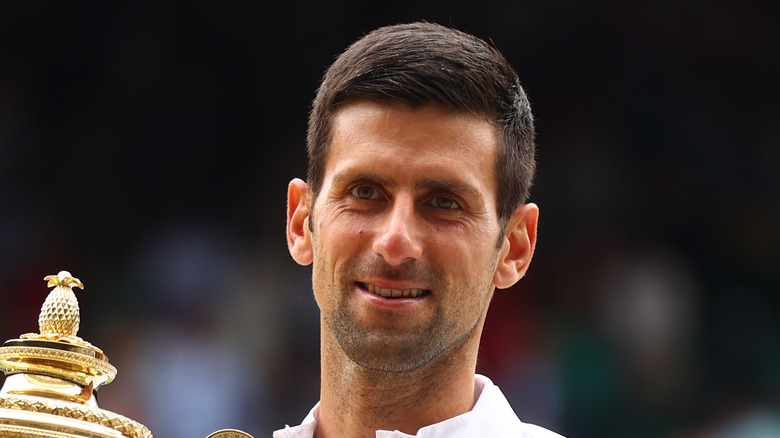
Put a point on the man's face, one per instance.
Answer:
(404, 232)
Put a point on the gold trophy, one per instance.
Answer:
(52, 377)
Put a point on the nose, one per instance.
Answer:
(398, 241)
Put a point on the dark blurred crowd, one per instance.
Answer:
(146, 148)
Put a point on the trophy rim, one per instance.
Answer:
(56, 359)
(57, 345)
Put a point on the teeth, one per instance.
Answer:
(395, 293)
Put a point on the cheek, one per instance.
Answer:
(334, 244)
(473, 249)
(475, 264)
(346, 233)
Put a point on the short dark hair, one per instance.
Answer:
(425, 63)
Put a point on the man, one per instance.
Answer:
(421, 157)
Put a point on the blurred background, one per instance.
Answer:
(146, 148)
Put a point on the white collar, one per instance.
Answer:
(491, 416)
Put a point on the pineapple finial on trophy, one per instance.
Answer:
(60, 312)
(59, 318)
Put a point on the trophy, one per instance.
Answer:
(52, 378)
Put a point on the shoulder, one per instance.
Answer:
(493, 406)
(534, 431)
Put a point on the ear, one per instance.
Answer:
(298, 233)
(518, 247)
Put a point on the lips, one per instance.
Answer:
(394, 293)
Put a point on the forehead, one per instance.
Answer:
(395, 138)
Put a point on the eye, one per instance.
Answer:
(445, 203)
(365, 192)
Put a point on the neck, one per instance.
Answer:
(356, 401)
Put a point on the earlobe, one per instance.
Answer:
(298, 234)
(518, 248)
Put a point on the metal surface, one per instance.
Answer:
(51, 377)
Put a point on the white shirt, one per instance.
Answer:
(491, 417)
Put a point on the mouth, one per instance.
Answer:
(394, 293)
